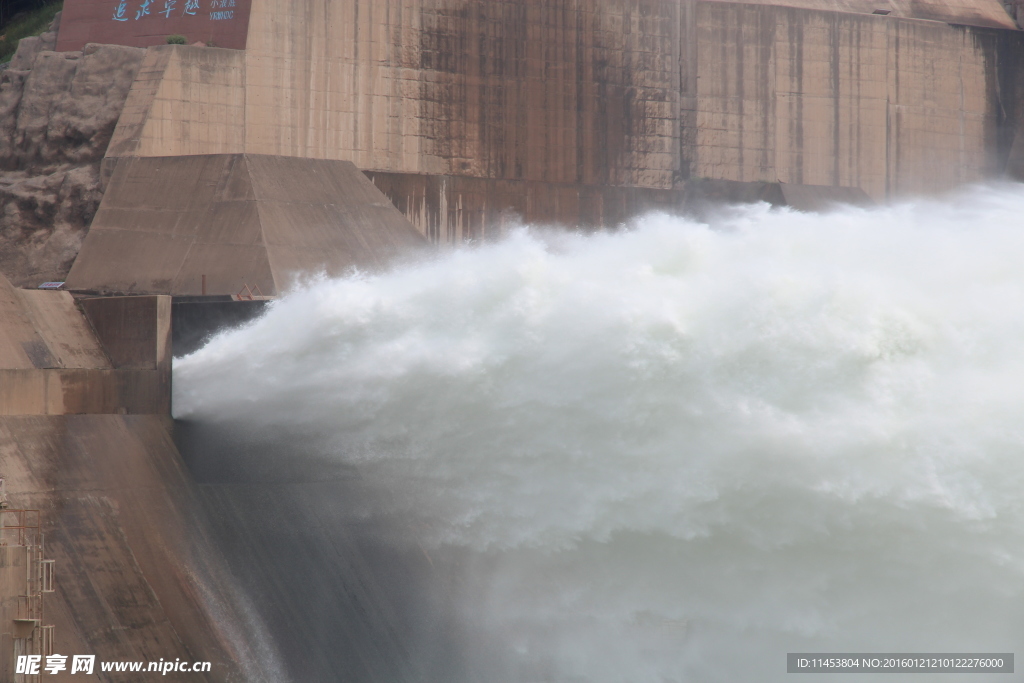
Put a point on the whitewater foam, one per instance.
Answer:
(678, 451)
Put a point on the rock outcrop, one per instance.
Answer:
(58, 111)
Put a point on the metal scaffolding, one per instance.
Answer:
(25, 575)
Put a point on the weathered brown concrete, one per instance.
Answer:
(456, 208)
(892, 106)
(26, 577)
(53, 363)
(552, 103)
(980, 13)
(509, 90)
(135, 331)
(137, 578)
(186, 100)
(239, 220)
(72, 392)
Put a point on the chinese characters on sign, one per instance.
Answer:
(219, 9)
(221, 4)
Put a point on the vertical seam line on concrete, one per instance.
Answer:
(834, 67)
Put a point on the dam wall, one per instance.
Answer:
(88, 465)
(274, 149)
(895, 107)
(465, 112)
(54, 360)
(225, 224)
(493, 90)
(135, 580)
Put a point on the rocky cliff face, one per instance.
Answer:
(57, 114)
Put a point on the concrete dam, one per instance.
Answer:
(509, 340)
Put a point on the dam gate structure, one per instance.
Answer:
(302, 136)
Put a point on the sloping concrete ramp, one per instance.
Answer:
(112, 356)
(44, 330)
(240, 220)
(137, 575)
(86, 454)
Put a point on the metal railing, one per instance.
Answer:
(21, 529)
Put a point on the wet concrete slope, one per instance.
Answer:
(344, 595)
(138, 577)
(334, 598)
(85, 440)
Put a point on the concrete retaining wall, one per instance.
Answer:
(238, 221)
(137, 578)
(550, 103)
(892, 106)
(56, 360)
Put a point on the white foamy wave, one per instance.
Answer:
(678, 451)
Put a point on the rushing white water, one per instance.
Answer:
(678, 451)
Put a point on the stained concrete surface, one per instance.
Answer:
(573, 107)
(239, 220)
(571, 111)
(138, 576)
(56, 359)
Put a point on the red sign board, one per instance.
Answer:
(141, 23)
